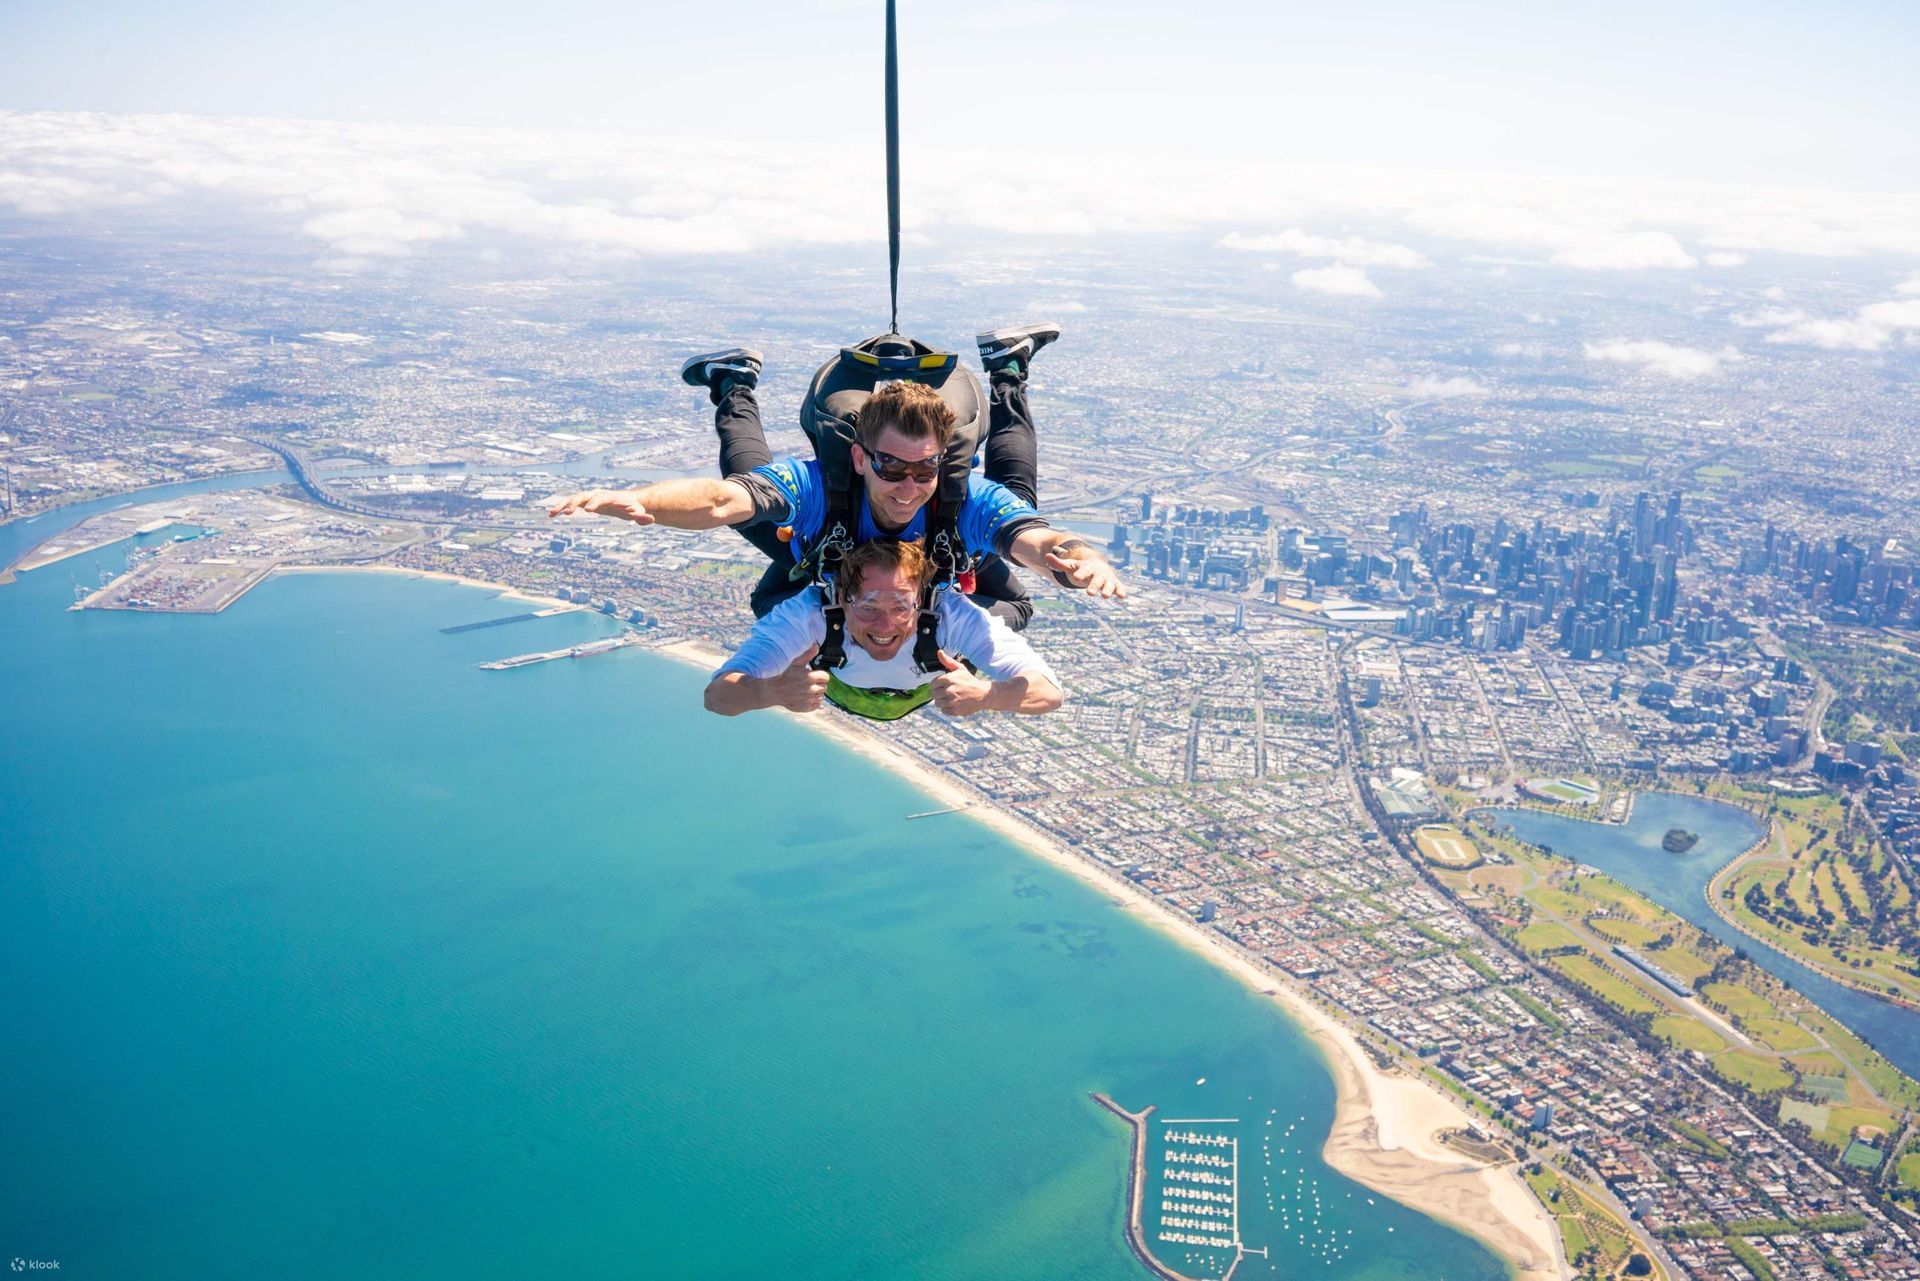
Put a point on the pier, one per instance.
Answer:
(573, 651)
(494, 622)
(1200, 1120)
(951, 809)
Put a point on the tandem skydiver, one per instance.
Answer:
(898, 448)
(877, 593)
(1010, 453)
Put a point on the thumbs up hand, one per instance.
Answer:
(799, 689)
(957, 691)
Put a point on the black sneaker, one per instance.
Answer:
(1013, 349)
(719, 370)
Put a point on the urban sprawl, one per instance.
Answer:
(1376, 597)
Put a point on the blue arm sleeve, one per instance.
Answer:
(798, 481)
(991, 512)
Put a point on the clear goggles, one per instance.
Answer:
(875, 605)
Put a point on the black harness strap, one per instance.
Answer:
(926, 641)
(893, 170)
(833, 649)
(950, 560)
(821, 560)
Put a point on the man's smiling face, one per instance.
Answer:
(895, 502)
(882, 611)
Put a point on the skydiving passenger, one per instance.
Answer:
(900, 442)
(878, 590)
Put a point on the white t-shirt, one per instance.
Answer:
(966, 631)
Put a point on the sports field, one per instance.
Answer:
(1567, 791)
(1445, 846)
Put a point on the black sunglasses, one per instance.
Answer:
(889, 468)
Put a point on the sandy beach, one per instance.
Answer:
(1385, 1124)
(506, 590)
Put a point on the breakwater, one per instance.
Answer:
(1137, 1191)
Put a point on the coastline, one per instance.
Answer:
(1385, 1124)
(33, 560)
(507, 590)
(1385, 1128)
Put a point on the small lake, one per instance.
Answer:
(1631, 853)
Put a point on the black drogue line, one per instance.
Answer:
(893, 172)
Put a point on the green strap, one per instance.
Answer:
(876, 704)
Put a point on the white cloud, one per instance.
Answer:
(377, 231)
(1911, 285)
(1774, 293)
(1519, 350)
(1662, 358)
(364, 191)
(1894, 315)
(1454, 388)
(1834, 335)
(1339, 280)
(1725, 258)
(1768, 317)
(1354, 250)
(1585, 238)
(1626, 251)
(1869, 329)
(47, 194)
(360, 191)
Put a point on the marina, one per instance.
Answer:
(1199, 1197)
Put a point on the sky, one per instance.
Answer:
(1348, 147)
(1754, 92)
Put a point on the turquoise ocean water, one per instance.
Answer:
(327, 954)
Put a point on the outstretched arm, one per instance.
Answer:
(678, 504)
(1069, 559)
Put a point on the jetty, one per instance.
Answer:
(951, 809)
(573, 651)
(501, 622)
(1137, 1191)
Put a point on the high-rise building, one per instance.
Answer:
(1667, 587)
(1643, 523)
